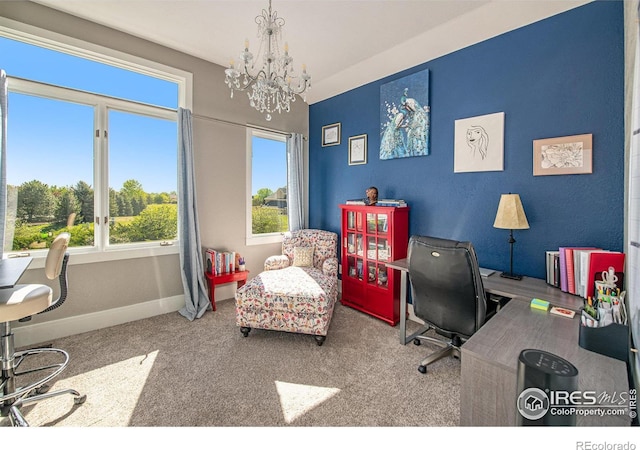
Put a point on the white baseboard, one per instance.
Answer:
(29, 335)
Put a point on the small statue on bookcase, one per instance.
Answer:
(372, 195)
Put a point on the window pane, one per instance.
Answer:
(49, 172)
(269, 186)
(49, 66)
(142, 178)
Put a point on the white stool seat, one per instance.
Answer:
(24, 300)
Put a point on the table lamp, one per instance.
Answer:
(511, 216)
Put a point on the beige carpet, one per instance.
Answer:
(168, 372)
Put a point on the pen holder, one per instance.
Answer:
(611, 340)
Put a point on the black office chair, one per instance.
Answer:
(20, 303)
(447, 292)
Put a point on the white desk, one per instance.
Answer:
(11, 270)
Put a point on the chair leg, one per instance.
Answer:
(449, 350)
(12, 398)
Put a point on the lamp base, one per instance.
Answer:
(511, 276)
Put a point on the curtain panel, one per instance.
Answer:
(4, 103)
(191, 264)
(295, 178)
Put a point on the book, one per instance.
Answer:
(562, 312)
(486, 272)
(569, 261)
(599, 262)
(563, 269)
(551, 266)
(582, 271)
(210, 258)
(355, 201)
(391, 202)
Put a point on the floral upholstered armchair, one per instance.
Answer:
(297, 290)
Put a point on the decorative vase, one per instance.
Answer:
(241, 267)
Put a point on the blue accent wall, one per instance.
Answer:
(558, 77)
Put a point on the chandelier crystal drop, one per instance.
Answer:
(273, 85)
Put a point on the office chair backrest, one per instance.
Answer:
(55, 256)
(56, 266)
(446, 285)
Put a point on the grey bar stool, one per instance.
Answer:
(20, 303)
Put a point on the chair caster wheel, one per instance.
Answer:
(245, 331)
(422, 369)
(320, 340)
(417, 341)
(80, 400)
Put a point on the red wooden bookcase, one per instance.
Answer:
(371, 237)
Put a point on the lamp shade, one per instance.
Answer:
(510, 213)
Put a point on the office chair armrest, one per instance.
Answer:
(276, 262)
(330, 267)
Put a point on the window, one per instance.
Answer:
(91, 148)
(267, 186)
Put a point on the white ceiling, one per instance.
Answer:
(344, 43)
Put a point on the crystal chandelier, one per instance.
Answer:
(273, 86)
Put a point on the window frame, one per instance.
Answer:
(264, 238)
(57, 42)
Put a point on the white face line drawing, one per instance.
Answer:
(478, 140)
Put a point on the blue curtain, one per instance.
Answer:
(295, 177)
(191, 264)
(3, 154)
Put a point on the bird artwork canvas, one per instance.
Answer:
(405, 117)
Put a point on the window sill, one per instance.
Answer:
(81, 256)
(272, 238)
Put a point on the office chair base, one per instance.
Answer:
(451, 348)
(13, 398)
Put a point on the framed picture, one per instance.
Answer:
(331, 135)
(405, 117)
(358, 149)
(563, 155)
(479, 144)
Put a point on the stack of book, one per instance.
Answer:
(355, 201)
(220, 262)
(391, 202)
(576, 269)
